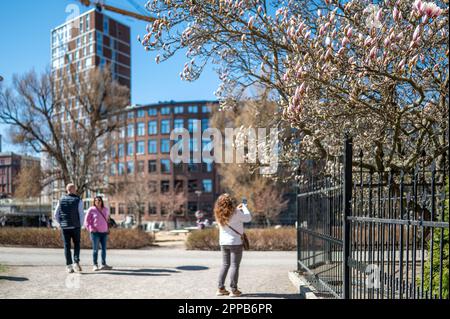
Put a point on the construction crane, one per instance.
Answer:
(102, 6)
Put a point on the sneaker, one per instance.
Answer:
(106, 267)
(69, 269)
(77, 267)
(235, 293)
(96, 268)
(222, 292)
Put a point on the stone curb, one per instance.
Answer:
(306, 291)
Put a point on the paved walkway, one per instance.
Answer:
(154, 273)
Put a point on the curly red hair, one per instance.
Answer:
(224, 209)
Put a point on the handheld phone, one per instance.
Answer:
(244, 201)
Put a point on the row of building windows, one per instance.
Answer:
(206, 186)
(167, 110)
(165, 167)
(165, 127)
(138, 147)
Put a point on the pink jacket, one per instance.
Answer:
(94, 222)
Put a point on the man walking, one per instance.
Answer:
(69, 215)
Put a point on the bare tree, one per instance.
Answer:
(268, 202)
(29, 182)
(65, 121)
(135, 190)
(174, 203)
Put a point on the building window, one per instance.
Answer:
(140, 148)
(165, 186)
(178, 124)
(192, 207)
(152, 111)
(152, 166)
(192, 185)
(113, 169)
(178, 187)
(153, 147)
(112, 209)
(141, 167)
(121, 169)
(205, 124)
(207, 186)
(121, 209)
(192, 125)
(131, 115)
(165, 146)
(178, 109)
(165, 110)
(178, 168)
(192, 168)
(152, 209)
(152, 187)
(130, 167)
(206, 109)
(105, 25)
(141, 129)
(193, 109)
(121, 150)
(130, 149)
(152, 128)
(140, 113)
(165, 166)
(130, 130)
(207, 167)
(88, 22)
(165, 126)
(122, 132)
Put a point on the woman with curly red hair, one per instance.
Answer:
(231, 221)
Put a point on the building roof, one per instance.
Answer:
(11, 154)
(167, 103)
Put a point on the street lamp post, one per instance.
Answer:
(198, 193)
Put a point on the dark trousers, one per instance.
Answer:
(231, 258)
(99, 238)
(68, 236)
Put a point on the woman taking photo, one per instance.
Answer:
(231, 221)
(96, 222)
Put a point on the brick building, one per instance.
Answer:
(143, 146)
(10, 165)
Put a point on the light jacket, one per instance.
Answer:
(237, 220)
(94, 222)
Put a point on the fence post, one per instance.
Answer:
(348, 155)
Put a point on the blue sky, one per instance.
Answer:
(25, 44)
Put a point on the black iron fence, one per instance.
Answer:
(365, 234)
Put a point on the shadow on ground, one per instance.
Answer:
(134, 272)
(192, 268)
(10, 278)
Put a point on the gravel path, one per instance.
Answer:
(155, 273)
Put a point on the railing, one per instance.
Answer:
(380, 235)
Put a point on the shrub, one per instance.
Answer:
(260, 239)
(51, 238)
(435, 263)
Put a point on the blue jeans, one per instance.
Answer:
(99, 238)
(69, 236)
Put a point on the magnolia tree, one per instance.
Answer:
(377, 71)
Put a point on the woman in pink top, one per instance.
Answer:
(96, 222)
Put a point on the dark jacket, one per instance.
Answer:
(69, 215)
